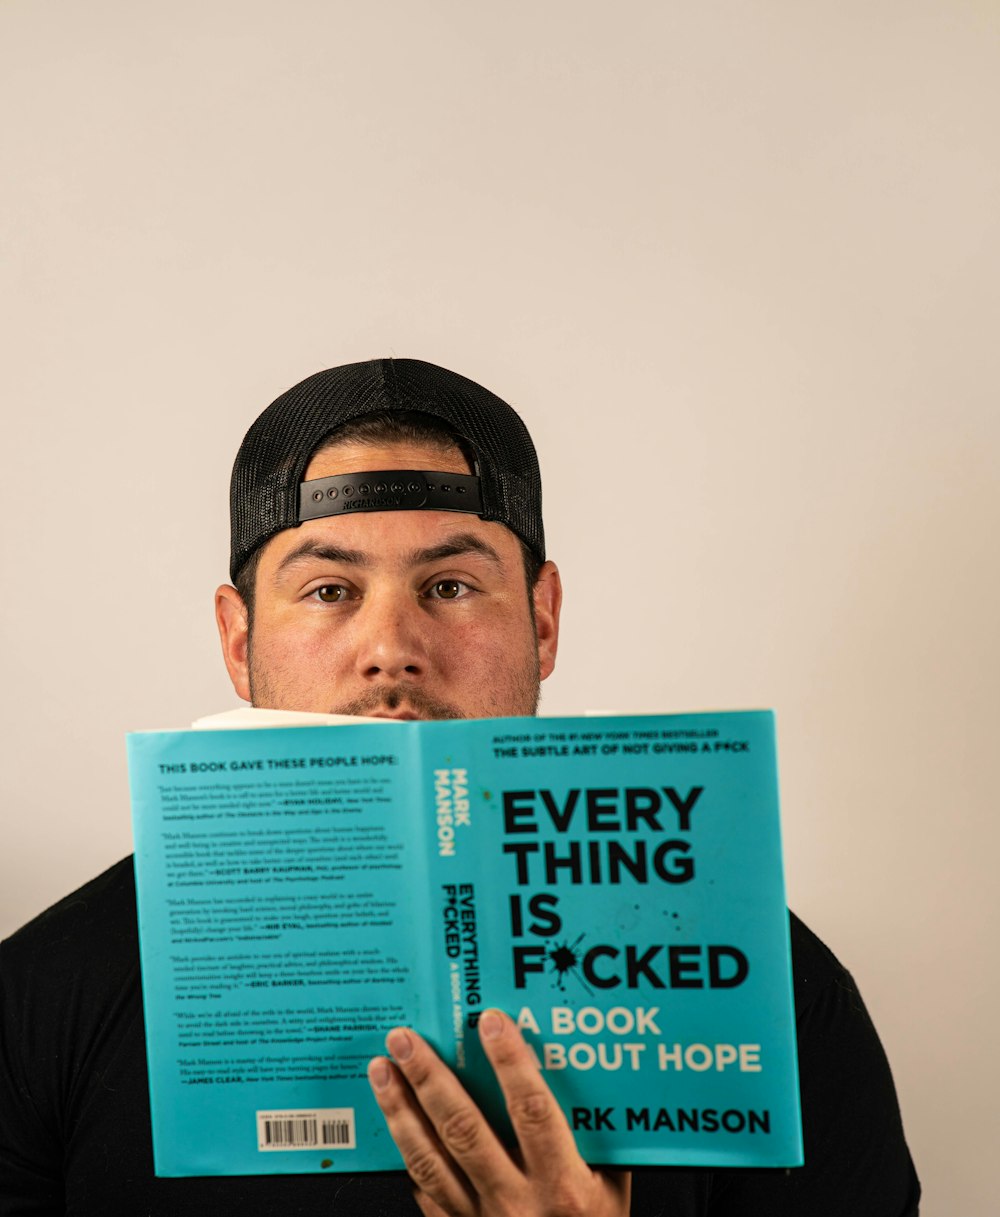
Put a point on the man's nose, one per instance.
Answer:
(393, 637)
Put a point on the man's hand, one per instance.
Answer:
(459, 1166)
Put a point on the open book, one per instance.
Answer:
(614, 884)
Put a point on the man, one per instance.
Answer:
(388, 558)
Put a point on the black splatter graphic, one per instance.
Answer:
(566, 962)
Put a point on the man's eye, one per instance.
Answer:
(331, 593)
(447, 589)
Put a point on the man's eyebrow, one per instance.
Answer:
(455, 547)
(325, 552)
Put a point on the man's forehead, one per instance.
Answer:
(399, 541)
(365, 545)
(349, 456)
(407, 538)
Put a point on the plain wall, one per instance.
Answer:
(736, 265)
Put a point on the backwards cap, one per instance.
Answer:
(268, 494)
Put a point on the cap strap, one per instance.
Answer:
(389, 490)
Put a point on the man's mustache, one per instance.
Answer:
(388, 701)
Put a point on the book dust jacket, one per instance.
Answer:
(614, 884)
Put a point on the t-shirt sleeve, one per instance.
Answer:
(30, 1161)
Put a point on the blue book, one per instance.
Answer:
(614, 884)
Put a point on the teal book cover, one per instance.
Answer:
(615, 884)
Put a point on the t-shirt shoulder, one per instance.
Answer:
(95, 921)
(814, 966)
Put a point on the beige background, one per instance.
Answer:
(736, 264)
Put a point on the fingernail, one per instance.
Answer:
(399, 1044)
(378, 1073)
(490, 1025)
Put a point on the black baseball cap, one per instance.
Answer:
(268, 494)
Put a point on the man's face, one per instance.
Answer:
(408, 614)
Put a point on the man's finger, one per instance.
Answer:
(426, 1161)
(459, 1127)
(543, 1133)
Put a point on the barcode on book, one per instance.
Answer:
(319, 1128)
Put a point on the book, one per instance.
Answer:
(615, 884)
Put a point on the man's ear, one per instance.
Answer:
(548, 603)
(234, 634)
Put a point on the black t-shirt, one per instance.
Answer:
(74, 1107)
